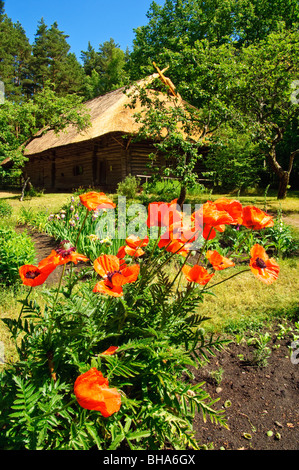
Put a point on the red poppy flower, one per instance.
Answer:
(65, 253)
(265, 269)
(197, 274)
(93, 393)
(163, 214)
(183, 231)
(34, 276)
(217, 261)
(209, 218)
(132, 247)
(173, 246)
(255, 218)
(111, 350)
(135, 242)
(232, 207)
(127, 250)
(93, 201)
(115, 274)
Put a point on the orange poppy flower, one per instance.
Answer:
(111, 350)
(92, 392)
(93, 201)
(197, 274)
(135, 242)
(183, 231)
(127, 250)
(209, 218)
(232, 207)
(34, 276)
(255, 218)
(265, 269)
(217, 261)
(132, 247)
(115, 274)
(173, 246)
(163, 214)
(213, 216)
(65, 253)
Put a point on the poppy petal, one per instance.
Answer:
(93, 201)
(197, 274)
(217, 261)
(104, 287)
(106, 264)
(34, 276)
(92, 392)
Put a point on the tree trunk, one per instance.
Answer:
(283, 175)
(284, 179)
(182, 196)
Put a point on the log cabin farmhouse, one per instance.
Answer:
(101, 156)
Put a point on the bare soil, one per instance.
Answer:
(255, 399)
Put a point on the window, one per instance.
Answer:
(78, 170)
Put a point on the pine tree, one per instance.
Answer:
(14, 57)
(52, 63)
(104, 69)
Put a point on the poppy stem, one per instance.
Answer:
(81, 228)
(53, 412)
(24, 302)
(180, 270)
(226, 279)
(155, 245)
(204, 246)
(123, 319)
(58, 289)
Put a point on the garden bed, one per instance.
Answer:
(256, 400)
(261, 399)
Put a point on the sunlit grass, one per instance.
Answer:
(245, 299)
(270, 203)
(45, 202)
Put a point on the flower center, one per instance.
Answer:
(110, 275)
(65, 248)
(32, 274)
(260, 263)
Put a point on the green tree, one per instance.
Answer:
(19, 123)
(105, 69)
(52, 61)
(176, 130)
(14, 57)
(262, 94)
(181, 23)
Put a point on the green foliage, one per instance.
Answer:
(20, 122)
(277, 240)
(157, 337)
(128, 187)
(94, 239)
(235, 160)
(16, 249)
(51, 62)
(5, 208)
(104, 69)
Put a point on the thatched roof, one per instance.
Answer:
(108, 113)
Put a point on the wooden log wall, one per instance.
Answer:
(101, 163)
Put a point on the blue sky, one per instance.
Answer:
(83, 20)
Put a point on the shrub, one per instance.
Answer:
(5, 209)
(16, 249)
(128, 187)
